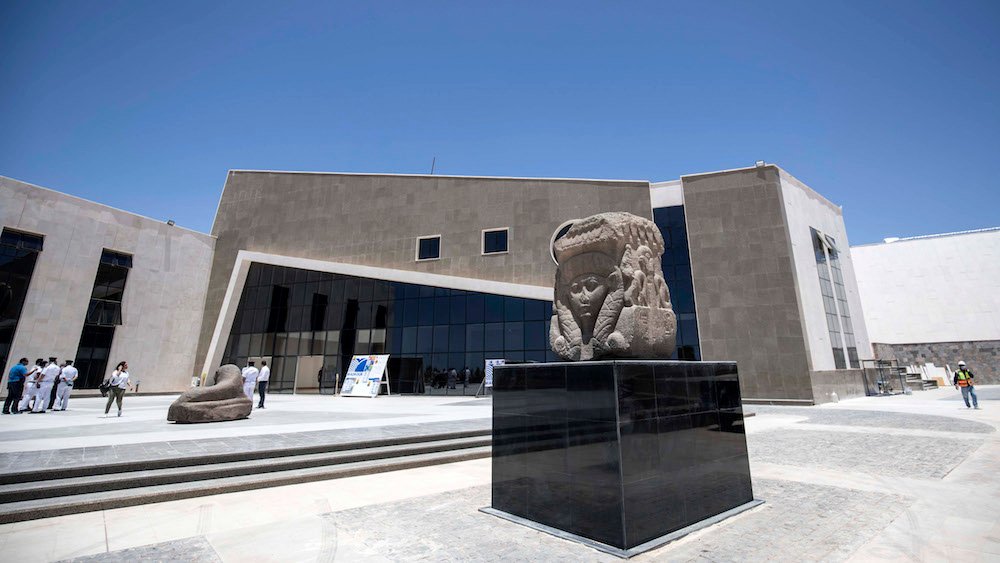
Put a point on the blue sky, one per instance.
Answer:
(887, 108)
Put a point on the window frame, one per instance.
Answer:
(482, 241)
(416, 253)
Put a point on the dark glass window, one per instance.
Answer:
(838, 314)
(116, 259)
(676, 266)
(18, 254)
(21, 240)
(104, 313)
(495, 242)
(428, 331)
(92, 355)
(428, 248)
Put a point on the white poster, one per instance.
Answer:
(488, 380)
(364, 377)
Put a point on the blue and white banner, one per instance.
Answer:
(364, 377)
(488, 379)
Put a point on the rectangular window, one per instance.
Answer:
(429, 248)
(838, 315)
(495, 241)
(676, 266)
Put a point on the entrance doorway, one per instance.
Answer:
(307, 374)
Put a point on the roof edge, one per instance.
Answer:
(132, 213)
(458, 176)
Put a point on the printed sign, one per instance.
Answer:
(488, 380)
(364, 377)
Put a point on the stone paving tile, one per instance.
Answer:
(196, 549)
(70, 457)
(877, 419)
(992, 394)
(882, 455)
(798, 522)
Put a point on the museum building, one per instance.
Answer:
(304, 270)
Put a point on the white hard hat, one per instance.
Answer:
(961, 362)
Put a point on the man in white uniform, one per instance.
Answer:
(29, 385)
(250, 374)
(47, 379)
(262, 379)
(66, 379)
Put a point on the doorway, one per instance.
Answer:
(307, 374)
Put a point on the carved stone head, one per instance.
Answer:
(610, 296)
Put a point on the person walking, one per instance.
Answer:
(15, 386)
(30, 386)
(964, 380)
(43, 386)
(262, 378)
(250, 374)
(66, 380)
(119, 383)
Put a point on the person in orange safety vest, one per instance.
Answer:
(963, 380)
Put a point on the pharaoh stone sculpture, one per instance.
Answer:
(222, 400)
(611, 300)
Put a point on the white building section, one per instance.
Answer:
(163, 298)
(939, 288)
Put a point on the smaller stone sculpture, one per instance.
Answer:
(222, 400)
(611, 299)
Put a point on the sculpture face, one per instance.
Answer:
(586, 296)
(610, 296)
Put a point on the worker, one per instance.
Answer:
(963, 380)
(250, 374)
(43, 387)
(66, 380)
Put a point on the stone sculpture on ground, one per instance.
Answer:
(611, 300)
(222, 400)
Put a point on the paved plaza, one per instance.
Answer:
(904, 478)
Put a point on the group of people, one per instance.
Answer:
(253, 377)
(48, 385)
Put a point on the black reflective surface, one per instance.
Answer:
(676, 265)
(18, 253)
(619, 452)
(286, 315)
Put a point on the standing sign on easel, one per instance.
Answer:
(488, 379)
(364, 377)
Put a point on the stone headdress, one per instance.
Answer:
(635, 318)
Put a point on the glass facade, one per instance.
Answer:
(308, 324)
(676, 264)
(838, 314)
(18, 254)
(103, 314)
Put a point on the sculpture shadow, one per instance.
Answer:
(221, 401)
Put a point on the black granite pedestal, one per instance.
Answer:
(621, 453)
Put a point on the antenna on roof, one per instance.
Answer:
(433, 162)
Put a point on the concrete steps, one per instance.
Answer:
(916, 383)
(99, 487)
